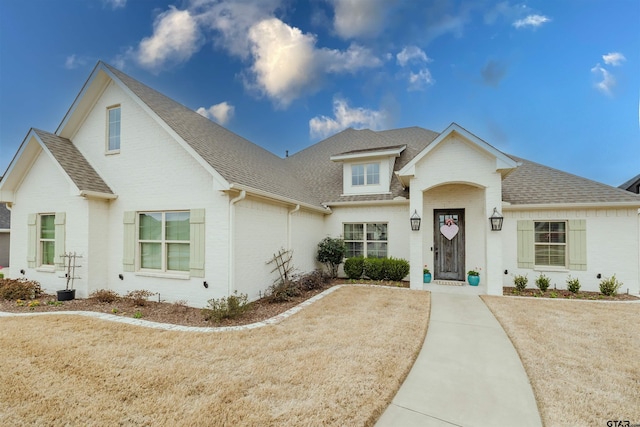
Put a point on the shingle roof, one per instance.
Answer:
(235, 158)
(310, 176)
(631, 183)
(5, 217)
(73, 162)
(533, 183)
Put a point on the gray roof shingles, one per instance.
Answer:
(73, 162)
(5, 217)
(310, 176)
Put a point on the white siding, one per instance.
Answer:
(306, 232)
(612, 247)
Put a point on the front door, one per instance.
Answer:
(448, 241)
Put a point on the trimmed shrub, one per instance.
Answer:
(354, 267)
(395, 269)
(314, 280)
(520, 282)
(104, 295)
(542, 282)
(609, 287)
(226, 307)
(140, 296)
(573, 285)
(374, 268)
(331, 253)
(15, 289)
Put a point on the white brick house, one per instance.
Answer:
(155, 196)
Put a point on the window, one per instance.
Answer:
(365, 174)
(368, 240)
(113, 133)
(47, 239)
(550, 243)
(164, 241)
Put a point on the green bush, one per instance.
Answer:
(395, 269)
(139, 296)
(354, 267)
(573, 285)
(226, 307)
(282, 291)
(14, 289)
(520, 282)
(374, 268)
(542, 282)
(609, 287)
(331, 253)
(104, 295)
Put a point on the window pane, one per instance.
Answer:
(373, 173)
(114, 129)
(47, 249)
(47, 227)
(376, 250)
(150, 255)
(357, 175)
(151, 226)
(177, 227)
(178, 256)
(376, 231)
(354, 249)
(353, 231)
(552, 255)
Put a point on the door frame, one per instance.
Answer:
(460, 242)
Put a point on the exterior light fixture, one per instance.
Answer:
(496, 220)
(415, 221)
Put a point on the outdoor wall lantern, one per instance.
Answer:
(496, 220)
(415, 221)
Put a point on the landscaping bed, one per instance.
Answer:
(175, 313)
(563, 293)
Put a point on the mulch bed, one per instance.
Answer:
(174, 313)
(565, 294)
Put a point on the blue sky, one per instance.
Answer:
(556, 82)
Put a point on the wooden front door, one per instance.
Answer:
(448, 236)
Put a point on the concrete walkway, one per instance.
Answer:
(467, 373)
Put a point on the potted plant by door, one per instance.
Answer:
(473, 277)
(426, 275)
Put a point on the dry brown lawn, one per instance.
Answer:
(338, 362)
(583, 358)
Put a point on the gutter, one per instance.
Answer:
(270, 196)
(392, 202)
(232, 210)
(509, 207)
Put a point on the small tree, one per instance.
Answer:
(331, 253)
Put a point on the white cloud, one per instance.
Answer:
(411, 54)
(420, 80)
(359, 118)
(531, 21)
(175, 38)
(608, 81)
(221, 113)
(115, 4)
(74, 61)
(614, 58)
(356, 18)
(287, 64)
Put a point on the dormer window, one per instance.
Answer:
(368, 170)
(113, 129)
(365, 174)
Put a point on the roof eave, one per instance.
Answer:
(591, 205)
(282, 199)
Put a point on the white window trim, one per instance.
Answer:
(163, 271)
(366, 174)
(117, 150)
(364, 240)
(39, 253)
(545, 267)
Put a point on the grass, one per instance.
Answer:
(339, 361)
(582, 358)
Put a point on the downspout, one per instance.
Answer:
(232, 211)
(289, 222)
